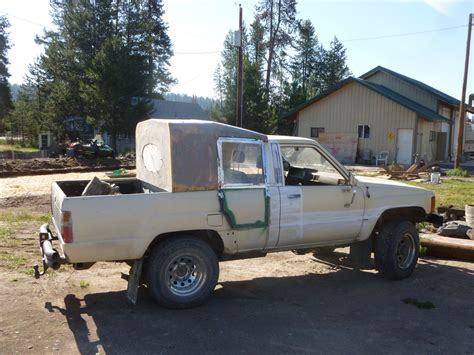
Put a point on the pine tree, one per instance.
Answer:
(255, 102)
(103, 61)
(334, 66)
(225, 81)
(278, 19)
(5, 94)
(117, 80)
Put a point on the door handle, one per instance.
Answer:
(294, 196)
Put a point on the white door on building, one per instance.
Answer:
(404, 146)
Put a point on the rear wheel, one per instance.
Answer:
(396, 249)
(182, 272)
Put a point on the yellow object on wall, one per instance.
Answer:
(390, 136)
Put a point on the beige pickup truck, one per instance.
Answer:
(207, 192)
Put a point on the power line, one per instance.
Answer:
(354, 39)
(23, 19)
(402, 34)
(197, 53)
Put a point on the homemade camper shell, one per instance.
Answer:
(181, 155)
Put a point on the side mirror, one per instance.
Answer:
(352, 179)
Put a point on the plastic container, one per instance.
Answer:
(470, 215)
(435, 176)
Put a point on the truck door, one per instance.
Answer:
(327, 207)
(243, 192)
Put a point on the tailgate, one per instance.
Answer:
(57, 198)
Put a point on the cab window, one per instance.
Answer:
(241, 163)
(304, 165)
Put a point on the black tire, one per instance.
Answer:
(323, 250)
(182, 272)
(397, 247)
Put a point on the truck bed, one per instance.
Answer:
(126, 186)
(120, 227)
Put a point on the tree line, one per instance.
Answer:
(284, 65)
(103, 62)
(105, 59)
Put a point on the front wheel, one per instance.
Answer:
(182, 272)
(396, 249)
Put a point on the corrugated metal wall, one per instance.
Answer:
(354, 104)
(426, 148)
(405, 89)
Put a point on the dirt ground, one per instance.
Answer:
(283, 303)
(21, 167)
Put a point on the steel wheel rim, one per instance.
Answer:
(185, 275)
(406, 251)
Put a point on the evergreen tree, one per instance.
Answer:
(5, 94)
(103, 61)
(334, 66)
(116, 81)
(23, 121)
(278, 19)
(307, 62)
(255, 102)
(225, 80)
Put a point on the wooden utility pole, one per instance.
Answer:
(462, 107)
(240, 71)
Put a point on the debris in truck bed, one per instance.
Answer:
(119, 173)
(98, 187)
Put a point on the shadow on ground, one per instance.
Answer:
(347, 310)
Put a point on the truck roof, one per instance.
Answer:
(290, 139)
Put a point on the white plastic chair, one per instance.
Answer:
(382, 157)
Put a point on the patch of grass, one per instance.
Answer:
(451, 191)
(7, 237)
(15, 217)
(5, 233)
(423, 251)
(84, 284)
(458, 172)
(4, 147)
(419, 304)
(16, 262)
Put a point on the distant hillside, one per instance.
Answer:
(204, 102)
(14, 90)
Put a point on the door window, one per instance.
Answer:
(306, 166)
(241, 162)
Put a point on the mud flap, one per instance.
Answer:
(134, 281)
(360, 254)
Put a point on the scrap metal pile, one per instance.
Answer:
(454, 239)
(415, 171)
(456, 223)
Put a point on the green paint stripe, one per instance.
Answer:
(231, 216)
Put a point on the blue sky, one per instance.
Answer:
(436, 58)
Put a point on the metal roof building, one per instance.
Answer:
(383, 111)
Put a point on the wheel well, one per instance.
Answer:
(209, 236)
(412, 214)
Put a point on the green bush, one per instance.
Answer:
(457, 172)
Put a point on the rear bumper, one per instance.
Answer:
(50, 256)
